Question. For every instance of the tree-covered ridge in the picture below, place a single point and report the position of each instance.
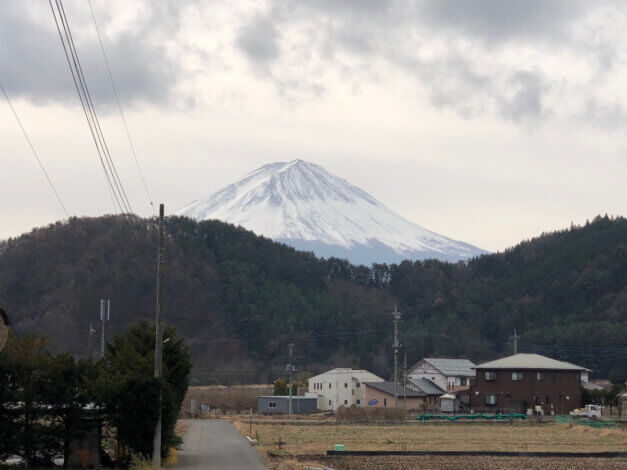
(239, 299)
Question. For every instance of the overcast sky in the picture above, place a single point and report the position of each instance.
(488, 121)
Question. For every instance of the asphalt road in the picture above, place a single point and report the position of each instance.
(215, 443)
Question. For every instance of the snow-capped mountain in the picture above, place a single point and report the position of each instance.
(303, 205)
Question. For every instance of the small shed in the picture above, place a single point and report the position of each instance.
(269, 405)
(449, 403)
(622, 404)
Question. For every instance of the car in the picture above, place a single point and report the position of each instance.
(589, 411)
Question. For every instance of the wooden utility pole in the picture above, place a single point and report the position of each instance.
(396, 315)
(156, 443)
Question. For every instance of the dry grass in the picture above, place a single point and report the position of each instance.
(304, 442)
(236, 398)
(181, 428)
(307, 439)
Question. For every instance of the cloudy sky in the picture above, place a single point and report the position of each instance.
(487, 121)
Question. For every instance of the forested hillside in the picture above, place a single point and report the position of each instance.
(240, 299)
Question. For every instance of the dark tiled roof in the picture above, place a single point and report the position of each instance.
(388, 387)
(428, 387)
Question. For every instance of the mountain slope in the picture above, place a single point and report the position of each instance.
(305, 206)
(240, 299)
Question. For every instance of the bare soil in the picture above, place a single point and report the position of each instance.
(472, 463)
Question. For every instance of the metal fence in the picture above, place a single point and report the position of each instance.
(593, 423)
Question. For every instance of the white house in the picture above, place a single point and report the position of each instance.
(340, 387)
(448, 374)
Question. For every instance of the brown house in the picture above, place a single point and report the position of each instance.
(525, 381)
(381, 395)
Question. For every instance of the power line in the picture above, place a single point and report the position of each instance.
(117, 99)
(109, 159)
(111, 176)
(30, 144)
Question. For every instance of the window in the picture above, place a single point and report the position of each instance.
(353, 391)
(330, 403)
(463, 381)
(539, 376)
(517, 375)
(345, 385)
(359, 402)
(358, 385)
(490, 399)
(329, 384)
(490, 376)
(385, 402)
(346, 402)
(272, 404)
(548, 399)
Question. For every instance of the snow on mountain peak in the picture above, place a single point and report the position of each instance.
(305, 206)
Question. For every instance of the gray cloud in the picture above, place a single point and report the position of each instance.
(258, 40)
(525, 101)
(446, 47)
(502, 20)
(37, 68)
(605, 115)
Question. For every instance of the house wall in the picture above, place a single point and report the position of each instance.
(562, 389)
(386, 400)
(335, 389)
(424, 370)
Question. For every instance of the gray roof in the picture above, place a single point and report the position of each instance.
(294, 397)
(591, 386)
(428, 387)
(457, 367)
(529, 361)
(388, 387)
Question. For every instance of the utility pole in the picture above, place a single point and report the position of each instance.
(515, 338)
(91, 332)
(405, 382)
(290, 369)
(156, 443)
(105, 316)
(396, 316)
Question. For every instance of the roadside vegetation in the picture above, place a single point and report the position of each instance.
(44, 396)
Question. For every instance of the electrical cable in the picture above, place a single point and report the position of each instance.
(117, 99)
(111, 176)
(32, 147)
(109, 159)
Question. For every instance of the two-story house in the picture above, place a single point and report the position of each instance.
(523, 382)
(448, 374)
(340, 387)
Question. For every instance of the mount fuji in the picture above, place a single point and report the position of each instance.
(303, 205)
